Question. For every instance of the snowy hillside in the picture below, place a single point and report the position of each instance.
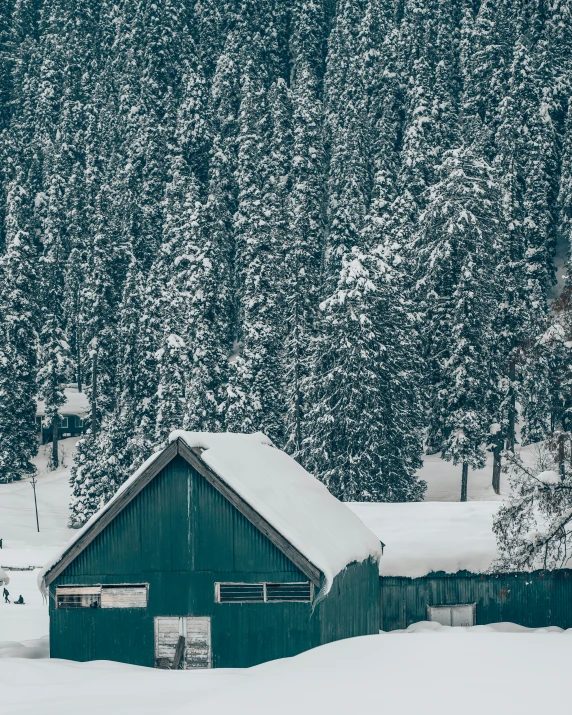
(24, 547)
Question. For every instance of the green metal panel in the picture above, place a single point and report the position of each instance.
(181, 536)
(537, 599)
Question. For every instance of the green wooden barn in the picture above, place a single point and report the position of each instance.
(220, 551)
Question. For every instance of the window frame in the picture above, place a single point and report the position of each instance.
(264, 585)
(97, 589)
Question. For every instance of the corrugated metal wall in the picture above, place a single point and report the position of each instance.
(541, 598)
(181, 536)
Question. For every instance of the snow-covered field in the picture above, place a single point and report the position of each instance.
(441, 671)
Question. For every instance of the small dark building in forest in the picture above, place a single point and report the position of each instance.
(438, 565)
(74, 416)
(220, 551)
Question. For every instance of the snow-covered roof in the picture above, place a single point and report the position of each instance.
(421, 537)
(76, 404)
(298, 506)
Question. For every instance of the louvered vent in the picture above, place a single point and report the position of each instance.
(263, 592)
(289, 591)
(240, 592)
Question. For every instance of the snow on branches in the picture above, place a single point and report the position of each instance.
(534, 527)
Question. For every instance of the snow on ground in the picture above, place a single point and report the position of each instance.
(428, 668)
(421, 537)
(21, 623)
(444, 478)
(23, 546)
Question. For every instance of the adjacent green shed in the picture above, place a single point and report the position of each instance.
(439, 565)
(221, 551)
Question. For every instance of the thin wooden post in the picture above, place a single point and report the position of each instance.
(464, 481)
(179, 652)
(33, 483)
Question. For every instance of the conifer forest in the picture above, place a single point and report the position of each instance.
(343, 223)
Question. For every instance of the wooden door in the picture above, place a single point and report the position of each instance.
(167, 632)
(197, 634)
(198, 652)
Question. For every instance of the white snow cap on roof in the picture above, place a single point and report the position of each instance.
(76, 404)
(421, 537)
(294, 502)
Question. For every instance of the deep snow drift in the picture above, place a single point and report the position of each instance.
(429, 669)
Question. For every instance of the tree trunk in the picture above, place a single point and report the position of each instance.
(55, 435)
(561, 464)
(94, 394)
(464, 481)
(78, 358)
(496, 467)
(511, 432)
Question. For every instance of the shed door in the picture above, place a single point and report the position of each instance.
(197, 635)
(198, 642)
(457, 615)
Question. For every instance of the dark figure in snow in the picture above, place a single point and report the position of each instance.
(6, 593)
(0, 543)
(20, 601)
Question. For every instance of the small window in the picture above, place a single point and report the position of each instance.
(80, 421)
(459, 614)
(124, 596)
(78, 596)
(64, 423)
(263, 592)
(120, 596)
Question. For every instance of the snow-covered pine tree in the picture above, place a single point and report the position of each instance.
(54, 358)
(302, 251)
(457, 248)
(345, 119)
(18, 337)
(365, 440)
(254, 379)
(525, 163)
(175, 329)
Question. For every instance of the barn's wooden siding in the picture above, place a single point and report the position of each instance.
(181, 536)
(541, 598)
